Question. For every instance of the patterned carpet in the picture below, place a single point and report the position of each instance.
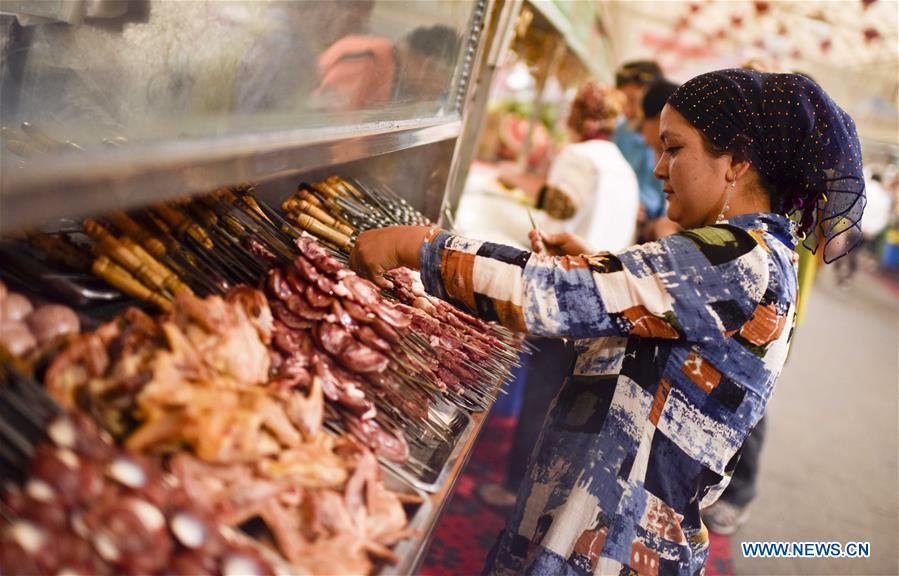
(468, 528)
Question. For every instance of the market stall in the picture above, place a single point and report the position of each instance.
(554, 48)
(182, 183)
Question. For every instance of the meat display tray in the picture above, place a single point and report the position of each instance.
(438, 454)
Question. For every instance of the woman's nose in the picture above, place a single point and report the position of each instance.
(661, 169)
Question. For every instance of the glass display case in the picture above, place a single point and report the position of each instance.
(121, 104)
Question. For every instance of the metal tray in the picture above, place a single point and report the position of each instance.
(439, 455)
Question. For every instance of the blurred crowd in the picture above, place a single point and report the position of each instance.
(580, 184)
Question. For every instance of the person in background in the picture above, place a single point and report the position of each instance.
(654, 100)
(592, 192)
(632, 79)
(877, 215)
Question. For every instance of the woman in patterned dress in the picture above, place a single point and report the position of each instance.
(680, 341)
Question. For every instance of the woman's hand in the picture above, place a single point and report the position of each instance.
(562, 244)
(659, 228)
(529, 184)
(377, 252)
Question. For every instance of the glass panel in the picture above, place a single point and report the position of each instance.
(166, 69)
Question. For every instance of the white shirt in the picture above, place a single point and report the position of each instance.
(877, 209)
(602, 183)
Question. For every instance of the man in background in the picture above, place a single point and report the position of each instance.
(632, 79)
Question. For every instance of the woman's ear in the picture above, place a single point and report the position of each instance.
(737, 169)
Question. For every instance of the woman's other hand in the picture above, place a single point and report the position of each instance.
(562, 244)
(659, 228)
(641, 215)
(529, 184)
(508, 179)
(377, 252)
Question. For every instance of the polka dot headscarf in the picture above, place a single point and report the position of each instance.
(796, 136)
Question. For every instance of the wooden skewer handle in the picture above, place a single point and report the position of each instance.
(129, 261)
(325, 190)
(160, 272)
(329, 189)
(127, 253)
(96, 231)
(226, 194)
(205, 216)
(119, 277)
(290, 205)
(325, 218)
(131, 228)
(310, 224)
(347, 186)
(184, 225)
(308, 196)
(172, 217)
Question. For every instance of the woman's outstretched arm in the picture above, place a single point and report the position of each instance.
(698, 285)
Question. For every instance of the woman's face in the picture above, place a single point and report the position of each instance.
(694, 180)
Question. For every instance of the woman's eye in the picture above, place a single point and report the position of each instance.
(672, 149)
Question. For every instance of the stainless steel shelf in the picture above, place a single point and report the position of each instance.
(78, 185)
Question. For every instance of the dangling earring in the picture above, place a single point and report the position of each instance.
(726, 207)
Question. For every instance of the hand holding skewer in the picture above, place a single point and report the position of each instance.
(535, 236)
(377, 252)
(562, 244)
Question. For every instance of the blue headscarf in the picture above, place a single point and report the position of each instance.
(796, 137)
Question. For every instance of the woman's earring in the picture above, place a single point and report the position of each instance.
(726, 207)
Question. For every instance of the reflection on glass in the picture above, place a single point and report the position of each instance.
(364, 71)
(167, 70)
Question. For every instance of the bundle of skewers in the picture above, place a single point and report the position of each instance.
(337, 210)
(468, 355)
(202, 246)
(380, 359)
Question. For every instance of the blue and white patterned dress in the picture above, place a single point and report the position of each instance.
(679, 342)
